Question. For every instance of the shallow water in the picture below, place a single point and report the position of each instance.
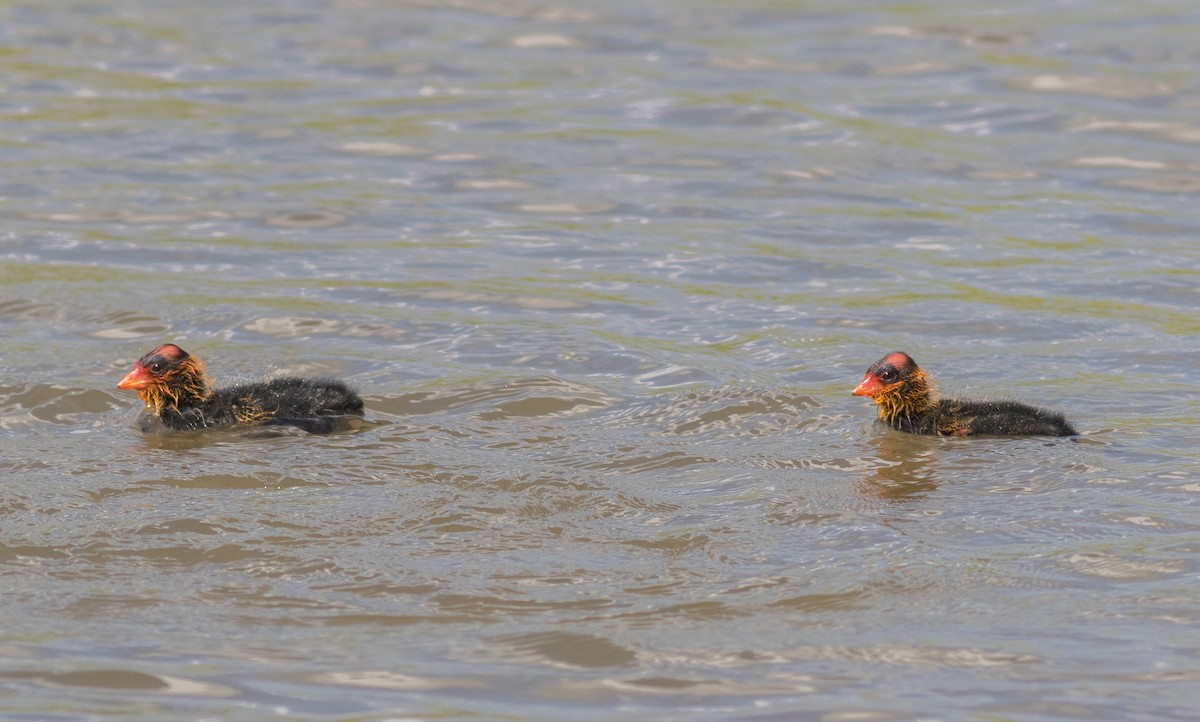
(605, 276)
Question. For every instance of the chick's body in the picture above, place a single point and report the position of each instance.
(175, 390)
(907, 402)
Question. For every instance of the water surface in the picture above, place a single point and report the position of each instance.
(605, 276)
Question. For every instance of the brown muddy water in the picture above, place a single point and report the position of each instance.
(605, 275)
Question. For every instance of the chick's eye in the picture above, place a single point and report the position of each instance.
(888, 375)
(157, 367)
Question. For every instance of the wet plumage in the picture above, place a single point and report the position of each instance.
(173, 386)
(908, 402)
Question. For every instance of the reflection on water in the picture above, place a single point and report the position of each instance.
(605, 277)
(908, 469)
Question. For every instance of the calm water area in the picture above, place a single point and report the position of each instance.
(605, 274)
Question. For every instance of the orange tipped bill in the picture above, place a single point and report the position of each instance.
(138, 378)
(869, 386)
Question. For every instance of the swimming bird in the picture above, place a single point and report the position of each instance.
(172, 384)
(908, 402)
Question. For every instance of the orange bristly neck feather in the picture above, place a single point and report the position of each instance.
(184, 384)
(912, 397)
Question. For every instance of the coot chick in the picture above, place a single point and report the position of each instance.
(907, 402)
(171, 383)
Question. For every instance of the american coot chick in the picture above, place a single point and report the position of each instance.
(171, 383)
(907, 402)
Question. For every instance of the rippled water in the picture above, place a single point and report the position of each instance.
(605, 274)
